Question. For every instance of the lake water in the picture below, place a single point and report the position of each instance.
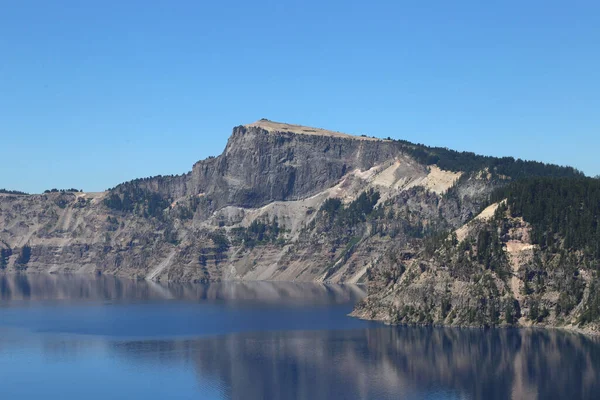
(74, 337)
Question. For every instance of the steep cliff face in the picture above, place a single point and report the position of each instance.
(265, 162)
(292, 203)
(204, 224)
(489, 272)
(255, 212)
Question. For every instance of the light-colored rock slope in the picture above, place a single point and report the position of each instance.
(280, 127)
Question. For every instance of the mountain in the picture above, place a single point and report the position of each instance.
(439, 236)
(531, 258)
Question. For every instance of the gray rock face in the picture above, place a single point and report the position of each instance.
(259, 166)
(250, 213)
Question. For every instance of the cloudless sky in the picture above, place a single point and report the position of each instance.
(96, 93)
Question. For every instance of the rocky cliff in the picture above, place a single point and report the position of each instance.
(503, 267)
(244, 214)
(266, 161)
(287, 202)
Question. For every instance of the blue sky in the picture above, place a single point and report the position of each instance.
(96, 93)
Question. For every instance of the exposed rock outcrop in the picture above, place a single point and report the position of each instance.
(292, 203)
(165, 227)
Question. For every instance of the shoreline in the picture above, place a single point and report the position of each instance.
(353, 314)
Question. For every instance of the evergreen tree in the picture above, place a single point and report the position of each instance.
(4, 256)
(24, 255)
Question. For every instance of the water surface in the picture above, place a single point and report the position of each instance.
(74, 337)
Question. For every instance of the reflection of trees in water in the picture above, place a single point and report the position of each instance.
(273, 365)
(86, 287)
(500, 363)
(385, 362)
(388, 362)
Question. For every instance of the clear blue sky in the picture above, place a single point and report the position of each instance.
(96, 93)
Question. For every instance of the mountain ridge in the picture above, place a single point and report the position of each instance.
(293, 203)
(282, 127)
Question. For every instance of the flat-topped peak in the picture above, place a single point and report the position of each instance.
(272, 126)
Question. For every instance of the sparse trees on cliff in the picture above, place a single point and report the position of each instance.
(4, 256)
(24, 257)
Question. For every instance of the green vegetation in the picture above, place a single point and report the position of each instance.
(466, 259)
(512, 312)
(355, 212)
(15, 192)
(331, 206)
(23, 257)
(565, 218)
(591, 310)
(170, 235)
(62, 202)
(143, 197)
(259, 233)
(221, 243)
(4, 256)
(564, 213)
(343, 257)
(139, 182)
(63, 190)
(137, 200)
(202, 258)
(452, 160)
(113, 223)
(490, 252)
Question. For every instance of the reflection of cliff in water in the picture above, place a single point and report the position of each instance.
(388, 363)
(17, 287)
(379, 363)
(501, 363)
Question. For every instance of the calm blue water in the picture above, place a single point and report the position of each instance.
(73, 337)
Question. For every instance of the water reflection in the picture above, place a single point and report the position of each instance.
(377, 363)
(390, 362)
(37, 287)
(262, 341)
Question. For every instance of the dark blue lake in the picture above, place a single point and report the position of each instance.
(76, 337)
